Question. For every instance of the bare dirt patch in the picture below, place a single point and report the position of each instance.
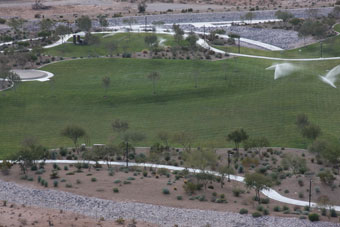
(19, 215)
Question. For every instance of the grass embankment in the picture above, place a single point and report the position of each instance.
(248, 98)
(126, 43)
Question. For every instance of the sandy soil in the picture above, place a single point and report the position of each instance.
(19, 215)
(68, 8)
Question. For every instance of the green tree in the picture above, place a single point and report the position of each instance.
(257, 182)
(256, 143)
(16, 24)
(84, 23)
(249, 16)
(192, 39)
(142, 7)
(30, 152)
(154, 76)
(184, 139)
(74, 133)
(225, 171)
(237, 136)
(178, 33)
(62, 30)
(106, 81)
(120, 126)
(327, 177)
(311, 131)
(285, 16)
(46, 25)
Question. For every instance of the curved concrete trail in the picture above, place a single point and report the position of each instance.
(271, 193)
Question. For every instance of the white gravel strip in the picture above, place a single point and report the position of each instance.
(164, 216)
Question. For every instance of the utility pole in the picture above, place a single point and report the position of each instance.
(310, 192)
(127, 154)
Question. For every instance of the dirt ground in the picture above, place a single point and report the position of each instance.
(98, 183)
(68, 8)
(19, 215)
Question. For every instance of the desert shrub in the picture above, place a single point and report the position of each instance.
(126, 182)
(285, 208)
(55, 183)
(117, 181)
(265, 212)
(286, 191)
(115, 190)
(277, 209)
(131, 178)
(63, 151)
(260, 208)
(237, 192)
(165, 191)
(256, 214)
(317, 190)
(333, 213)
(264, 200)
(34, 168)
(313, 217)
(179, 197)
(301, 195)
(54, 174)
(46, 184)
(300, 182)
(326, 177)
(243, 211)
(120, 221)
(68, 185)
(39, 179)
(306, 208)
(323, 211)
(190, 187)
(93, 179)
(65, 168)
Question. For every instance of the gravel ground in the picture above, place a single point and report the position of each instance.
(164, 216)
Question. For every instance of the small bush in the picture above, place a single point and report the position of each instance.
(115, 190)
(117, 181)
(179, 197)
(265, 212)
(256, 215)
(243, 211)
(165, 191)
(333, 213)
(68, 185)
(78, 181)
(65, 168)
(313, 217)
(264, 200)
(93, 179)
(55, 183)
(277, 209)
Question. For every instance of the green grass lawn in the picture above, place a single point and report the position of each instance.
(248, 97)
(126, 42)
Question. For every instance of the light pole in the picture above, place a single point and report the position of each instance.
(321, 49)
(310, 176)
(127, 154)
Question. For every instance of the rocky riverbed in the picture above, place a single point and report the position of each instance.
(161, 215)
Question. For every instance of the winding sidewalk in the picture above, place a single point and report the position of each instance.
(271, 193)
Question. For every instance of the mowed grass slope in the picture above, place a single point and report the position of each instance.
(247, 98)
(126, 43)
